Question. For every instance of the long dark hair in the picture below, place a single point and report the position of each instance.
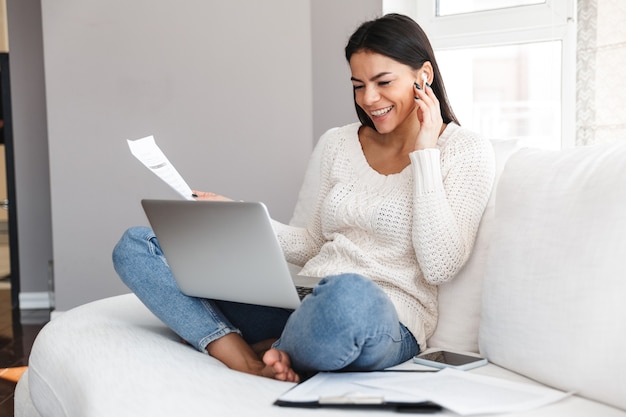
(402, 39)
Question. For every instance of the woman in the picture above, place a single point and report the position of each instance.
(400, 199)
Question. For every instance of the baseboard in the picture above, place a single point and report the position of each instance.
(35, 300)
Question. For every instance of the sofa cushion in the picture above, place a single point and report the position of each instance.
(460, 300)
(113, 357)
(553, 294)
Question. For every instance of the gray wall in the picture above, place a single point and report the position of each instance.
(227, 88)
(333, 23)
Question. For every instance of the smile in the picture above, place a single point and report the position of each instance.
(381, 112)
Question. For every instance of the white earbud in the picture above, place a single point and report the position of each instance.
(425, 78)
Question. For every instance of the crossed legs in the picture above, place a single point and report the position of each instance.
(347, 323)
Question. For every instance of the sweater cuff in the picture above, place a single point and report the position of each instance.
(427, 170)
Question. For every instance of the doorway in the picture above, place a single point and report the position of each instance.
(5, 251)
(9, 275)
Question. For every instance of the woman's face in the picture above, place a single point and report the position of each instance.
(383, 88)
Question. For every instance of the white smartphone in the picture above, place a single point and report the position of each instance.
(447, 359)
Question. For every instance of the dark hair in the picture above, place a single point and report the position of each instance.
(402, 39)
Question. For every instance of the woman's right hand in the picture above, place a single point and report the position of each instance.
(207, 196)
(429, 115)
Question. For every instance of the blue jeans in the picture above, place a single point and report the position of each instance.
(347, 323)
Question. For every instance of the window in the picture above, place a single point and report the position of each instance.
(449, 7)
(508, 65)
(507, 91)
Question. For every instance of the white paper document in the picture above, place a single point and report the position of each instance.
(461, 392)
(147, 151)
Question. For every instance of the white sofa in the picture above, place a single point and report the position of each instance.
(542, 297)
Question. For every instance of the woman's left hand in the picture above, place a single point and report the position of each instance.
(207, 196)
(429, 116)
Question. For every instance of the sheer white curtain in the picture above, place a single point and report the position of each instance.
(601, 59)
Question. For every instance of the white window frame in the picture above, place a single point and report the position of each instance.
(554, 20)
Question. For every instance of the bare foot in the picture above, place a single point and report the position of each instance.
(278, 366)
(263, 346)
(235, 353)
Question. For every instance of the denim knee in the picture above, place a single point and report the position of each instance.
(354, 296)
(129, 249)
(347, 317)
(131, 240)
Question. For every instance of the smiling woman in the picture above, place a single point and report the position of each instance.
(386, 89)
(399, 93)
(384, 49)
(400, 198)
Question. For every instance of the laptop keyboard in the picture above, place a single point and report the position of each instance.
(303, 291)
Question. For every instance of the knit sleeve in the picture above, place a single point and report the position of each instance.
(452, 187)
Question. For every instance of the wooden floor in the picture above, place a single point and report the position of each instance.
(17, 333)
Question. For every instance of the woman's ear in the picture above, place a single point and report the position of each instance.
(427, 72)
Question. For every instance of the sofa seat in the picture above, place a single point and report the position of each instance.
(113, 357)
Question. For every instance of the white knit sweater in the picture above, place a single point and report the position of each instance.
(408, 232)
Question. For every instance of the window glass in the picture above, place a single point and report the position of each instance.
(511, 91)
(449, 7)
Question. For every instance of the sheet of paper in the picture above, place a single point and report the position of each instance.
(147, 151)
(466, 393)
(462, 392)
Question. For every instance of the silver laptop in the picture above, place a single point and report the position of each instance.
(225, 251)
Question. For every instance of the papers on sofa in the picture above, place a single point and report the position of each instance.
(464, 393)
(147, 151)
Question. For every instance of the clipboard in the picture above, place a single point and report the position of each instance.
(426, 407)
(353, 390)
(463, 393)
